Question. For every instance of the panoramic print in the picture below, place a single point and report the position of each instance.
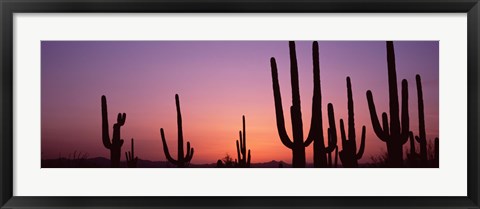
(240, 104)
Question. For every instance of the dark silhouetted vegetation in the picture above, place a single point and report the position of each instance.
(131, 158)
(115, 144)
(316, 130)
(395, 134)
(349, 155)
(393, 129)
(182, 160)
(243, 159)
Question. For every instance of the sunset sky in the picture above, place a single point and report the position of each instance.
(217, 82)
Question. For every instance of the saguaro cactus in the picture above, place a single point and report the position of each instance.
(182, 160)
(421, 138)
(349, 155)
(297, 145)
(115, 144)
(395, 134)
(131, 158)
(243, 159)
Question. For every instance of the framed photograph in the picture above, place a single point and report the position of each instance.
(264, 104)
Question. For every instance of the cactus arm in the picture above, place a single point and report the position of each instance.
(242, 145)
(244, 136)
(316, 129)
(421, 119)
(189, 155)
(405, 118)
(351, 118)
(310, 139)
(385, 124)
(165, 149)
(188, 149)
(418, 139)
(332, 142)
(105, 133)
(362, 144)
(248, 159)
(342, 134)
(381, 133)
(294, 76)
(278, 107)
(238, 151)
(116, 141)
(121, 119)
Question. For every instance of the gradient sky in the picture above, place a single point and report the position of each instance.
(218, 82)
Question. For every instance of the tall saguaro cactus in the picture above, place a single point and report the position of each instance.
(182, 160)
(243, 158)
(421, 138)
(297, 145)
(394, 134)
(131, 158)
(115, 143)
(349, 155)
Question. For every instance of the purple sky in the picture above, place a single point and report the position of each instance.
(218, 82)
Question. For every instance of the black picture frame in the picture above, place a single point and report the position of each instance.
(9, 7)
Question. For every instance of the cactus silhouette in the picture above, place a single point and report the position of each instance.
(349, 155)
(297, 145)
(396, 134)
(115, 143)
(243, 160)
(182, 160)
(131, 158)
(320, 148)
(421, 138)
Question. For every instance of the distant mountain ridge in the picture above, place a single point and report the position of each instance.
(101, 162)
